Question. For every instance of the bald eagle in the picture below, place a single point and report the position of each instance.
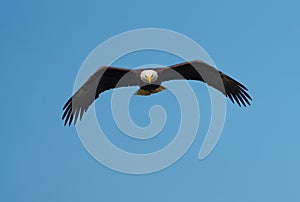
(149, 81)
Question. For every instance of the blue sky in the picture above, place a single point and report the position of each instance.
(43, 45)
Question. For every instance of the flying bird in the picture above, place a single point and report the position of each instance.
(149, 81)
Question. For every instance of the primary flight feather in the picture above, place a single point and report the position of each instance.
(149, 80)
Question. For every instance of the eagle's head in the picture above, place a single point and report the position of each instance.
(148, 76)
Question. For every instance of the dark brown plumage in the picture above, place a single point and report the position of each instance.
(106, 78)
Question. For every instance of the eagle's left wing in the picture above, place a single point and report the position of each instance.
(201, 71)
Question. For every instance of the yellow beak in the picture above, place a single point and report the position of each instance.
(149, 79)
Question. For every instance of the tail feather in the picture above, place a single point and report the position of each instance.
(146, 92)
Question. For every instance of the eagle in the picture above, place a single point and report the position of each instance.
(149, 81)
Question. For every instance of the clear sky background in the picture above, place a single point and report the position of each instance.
(43, 44)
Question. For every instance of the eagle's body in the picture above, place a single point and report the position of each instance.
(149, 80)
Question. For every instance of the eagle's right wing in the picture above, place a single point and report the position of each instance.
(103, 79)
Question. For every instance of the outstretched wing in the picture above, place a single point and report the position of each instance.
(103, 79)
(201, 71)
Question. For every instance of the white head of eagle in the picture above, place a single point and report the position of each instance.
(149, 76)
